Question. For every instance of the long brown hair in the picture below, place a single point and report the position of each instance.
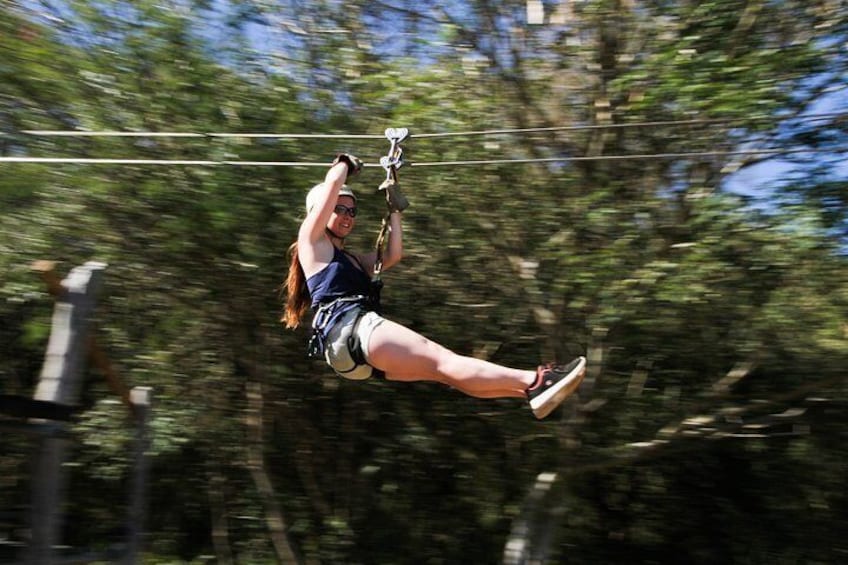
(297, 295)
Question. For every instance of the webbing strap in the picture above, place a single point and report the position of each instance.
(384, 228)
(381, 240)
(328, 313)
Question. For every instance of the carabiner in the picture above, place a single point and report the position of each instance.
(395, 155)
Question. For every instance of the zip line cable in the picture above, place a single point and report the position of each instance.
(700, 121)
(75, 133)
(703, 121)
(94, 161)
(636, 156)
(209, 163)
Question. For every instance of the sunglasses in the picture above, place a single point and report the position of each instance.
(341, 209)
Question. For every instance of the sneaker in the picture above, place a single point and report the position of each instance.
(554, 383)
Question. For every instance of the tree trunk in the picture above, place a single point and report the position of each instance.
(256, 464)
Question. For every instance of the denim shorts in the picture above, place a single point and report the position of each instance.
(337, 348)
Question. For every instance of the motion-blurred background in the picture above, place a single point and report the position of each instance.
(658, 185)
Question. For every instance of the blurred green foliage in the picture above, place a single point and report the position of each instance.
(671, 284)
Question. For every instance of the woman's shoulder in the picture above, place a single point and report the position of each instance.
(315, 255)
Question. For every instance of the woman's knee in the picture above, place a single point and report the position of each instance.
(448, 363)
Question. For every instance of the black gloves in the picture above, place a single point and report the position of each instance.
(395, 200)
(354, 164)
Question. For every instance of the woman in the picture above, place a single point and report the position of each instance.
(355, 340)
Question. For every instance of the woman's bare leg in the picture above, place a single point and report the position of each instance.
(405, 355)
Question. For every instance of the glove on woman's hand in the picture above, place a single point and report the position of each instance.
(354, 164)
(395, 200)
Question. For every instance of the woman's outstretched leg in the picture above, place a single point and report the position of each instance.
(405, 355)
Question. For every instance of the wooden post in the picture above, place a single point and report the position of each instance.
(60, 382)
(141, 398)
(96, 356)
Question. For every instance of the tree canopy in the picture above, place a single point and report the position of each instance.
(589, 210)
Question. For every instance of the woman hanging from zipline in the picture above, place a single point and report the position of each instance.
(356, 341)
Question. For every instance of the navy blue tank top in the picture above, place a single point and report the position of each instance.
(338, 279)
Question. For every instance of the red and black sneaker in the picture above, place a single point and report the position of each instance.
(554, 383)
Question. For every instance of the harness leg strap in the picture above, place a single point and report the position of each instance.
(354, 344)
